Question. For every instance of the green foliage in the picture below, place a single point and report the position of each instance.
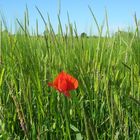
(105, 106)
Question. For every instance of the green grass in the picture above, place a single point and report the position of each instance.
(106, 104)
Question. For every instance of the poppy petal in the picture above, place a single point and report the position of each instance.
(57, 79)
(64, 83)
(72, 82)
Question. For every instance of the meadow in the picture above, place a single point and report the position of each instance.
(106, 104)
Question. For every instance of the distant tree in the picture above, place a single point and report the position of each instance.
(45, 32)
(84, 34)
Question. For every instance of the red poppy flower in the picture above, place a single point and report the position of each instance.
(64, 83)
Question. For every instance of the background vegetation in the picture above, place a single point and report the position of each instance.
(105, 106)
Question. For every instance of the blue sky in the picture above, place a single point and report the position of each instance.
(120, 13)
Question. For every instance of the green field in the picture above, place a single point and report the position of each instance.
(105, 106)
